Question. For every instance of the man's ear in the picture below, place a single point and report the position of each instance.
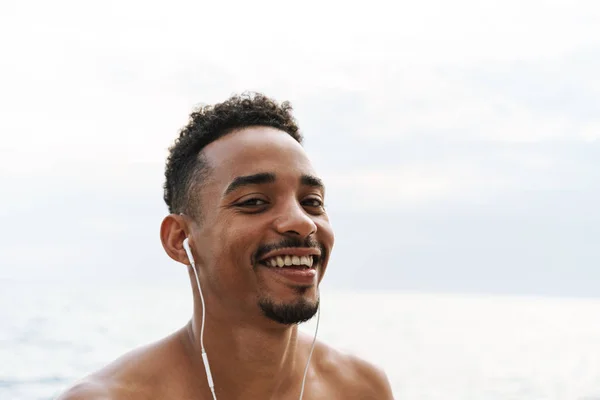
(173, 230)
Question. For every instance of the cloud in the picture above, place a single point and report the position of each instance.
(432, 108)
(411, 185)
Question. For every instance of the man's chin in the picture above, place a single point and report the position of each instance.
(289, 313)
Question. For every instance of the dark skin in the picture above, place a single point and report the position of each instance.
(251, 356)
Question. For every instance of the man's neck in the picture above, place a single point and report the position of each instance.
(247, 360)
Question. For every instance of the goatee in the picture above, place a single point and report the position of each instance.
(289, 314)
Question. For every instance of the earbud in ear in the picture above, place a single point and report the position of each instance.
(188, 251)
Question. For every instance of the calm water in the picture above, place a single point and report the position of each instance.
(431, 346)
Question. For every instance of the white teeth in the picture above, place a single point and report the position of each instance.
(281, 261)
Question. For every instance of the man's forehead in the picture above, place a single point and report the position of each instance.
(256, 150)
(249, 139)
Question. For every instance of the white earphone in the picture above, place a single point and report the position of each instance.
(211, 385)
(188, 252)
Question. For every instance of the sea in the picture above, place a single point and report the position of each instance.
(432, 346)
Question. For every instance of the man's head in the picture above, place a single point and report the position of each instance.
(252, 202)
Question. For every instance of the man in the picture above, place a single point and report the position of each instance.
(241, 189)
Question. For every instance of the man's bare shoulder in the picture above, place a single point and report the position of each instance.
(137, 374)
(87, 389)
(359, 378)
(118, 380)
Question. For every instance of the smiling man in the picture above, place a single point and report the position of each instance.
(241, 189)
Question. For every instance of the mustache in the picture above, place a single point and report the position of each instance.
(309, 243)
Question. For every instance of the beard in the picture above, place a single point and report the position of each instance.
(301, 310)
(289, 314)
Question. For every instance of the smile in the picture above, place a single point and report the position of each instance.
(282, 261)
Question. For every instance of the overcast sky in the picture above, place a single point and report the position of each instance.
(460, 141)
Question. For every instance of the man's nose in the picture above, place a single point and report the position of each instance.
(294, 220)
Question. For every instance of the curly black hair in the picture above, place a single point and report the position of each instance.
(186, 168)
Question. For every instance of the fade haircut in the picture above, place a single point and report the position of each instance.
(186, 168)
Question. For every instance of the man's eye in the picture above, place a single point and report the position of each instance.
(252, 202)
(313, 203)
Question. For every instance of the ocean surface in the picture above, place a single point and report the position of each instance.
(432, 346)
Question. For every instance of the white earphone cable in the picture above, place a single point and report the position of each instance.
(211, 384)
(311, 348)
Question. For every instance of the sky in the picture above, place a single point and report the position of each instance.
(459, 141)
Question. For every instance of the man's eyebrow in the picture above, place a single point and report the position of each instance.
(311, 180)
(256, 179)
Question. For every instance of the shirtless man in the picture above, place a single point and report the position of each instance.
(241, 188)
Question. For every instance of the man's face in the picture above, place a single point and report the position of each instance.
(261, 207)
